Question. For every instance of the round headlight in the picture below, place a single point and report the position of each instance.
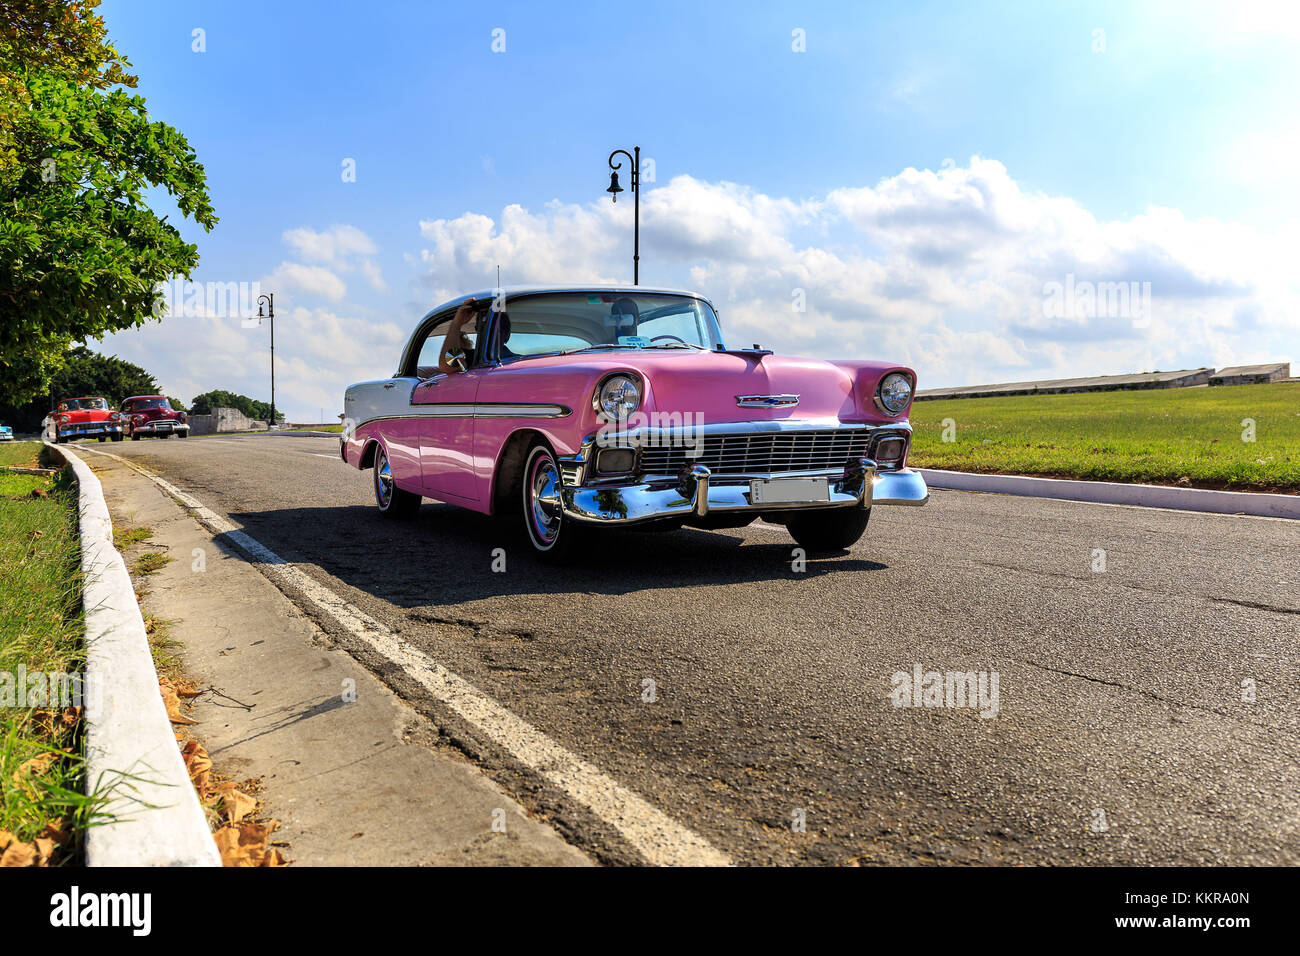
(617, 397)
(63, 419)
(895, 392)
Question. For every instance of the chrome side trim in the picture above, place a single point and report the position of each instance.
(477, 410)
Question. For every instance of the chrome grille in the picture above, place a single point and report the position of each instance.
(761, 453)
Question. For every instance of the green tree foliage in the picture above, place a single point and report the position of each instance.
(219, 398)
(81, 252)
(84, 373)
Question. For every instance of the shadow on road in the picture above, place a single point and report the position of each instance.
(445, 556)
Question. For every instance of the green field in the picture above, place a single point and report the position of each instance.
(1188, 436)
(42, 800)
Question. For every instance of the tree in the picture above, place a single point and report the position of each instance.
(81, 252)
(219, 398)
(84, 373)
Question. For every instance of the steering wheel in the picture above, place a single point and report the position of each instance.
(673, 337)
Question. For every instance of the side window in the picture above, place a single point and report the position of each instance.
(426, 365)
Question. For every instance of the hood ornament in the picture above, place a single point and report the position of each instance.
(767, 401)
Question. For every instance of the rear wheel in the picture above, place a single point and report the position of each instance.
(393, 501)
(553, 536)
(835, 530)
(116, 436)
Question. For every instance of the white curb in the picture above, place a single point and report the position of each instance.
(130, 746)
(1118, 493)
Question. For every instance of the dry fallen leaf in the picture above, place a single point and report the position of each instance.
(245, 844)
(172, 701)
(34, 767)
(44, 850)
(237, 805)
(18, 854)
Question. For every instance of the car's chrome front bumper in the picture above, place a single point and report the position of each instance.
(159, 428)
(91, 429)
(699, 494)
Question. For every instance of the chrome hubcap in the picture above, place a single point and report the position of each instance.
(383, 479)
(544, 499)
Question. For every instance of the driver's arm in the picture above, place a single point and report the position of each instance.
(456, 340)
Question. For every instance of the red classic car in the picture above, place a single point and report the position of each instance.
(579, 408)
(153, 415)
(85, 417)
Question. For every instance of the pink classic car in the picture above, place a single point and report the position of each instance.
(578, 408)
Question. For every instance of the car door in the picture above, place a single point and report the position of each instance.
(443, 403)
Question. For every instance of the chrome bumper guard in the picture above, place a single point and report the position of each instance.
(95, 428)
(698, 493)
(162, 428)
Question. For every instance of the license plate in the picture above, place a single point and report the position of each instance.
(787, 491)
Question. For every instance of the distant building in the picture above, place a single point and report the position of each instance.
(1184, 378)
(1252, 374)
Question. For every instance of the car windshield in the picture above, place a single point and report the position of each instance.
(552, 323)
(85, 404)
(153, 403)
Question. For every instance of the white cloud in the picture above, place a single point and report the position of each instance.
(944, 269)
(337, 244)
(310, 280)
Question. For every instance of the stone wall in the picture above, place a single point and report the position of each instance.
(224, 420)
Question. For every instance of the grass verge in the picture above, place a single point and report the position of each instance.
(43, 805)
(1240, 438)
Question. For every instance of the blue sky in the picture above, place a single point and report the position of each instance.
(1158, 150)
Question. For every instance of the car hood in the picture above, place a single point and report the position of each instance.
(150, 414)
(85, 415)
(711, 383)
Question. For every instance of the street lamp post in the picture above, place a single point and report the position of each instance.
(268, 299)
(614, 189)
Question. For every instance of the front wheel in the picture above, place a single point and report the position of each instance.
(182, 434)
(554, 537)
(835, 530)
(134, 437)
(393, 501)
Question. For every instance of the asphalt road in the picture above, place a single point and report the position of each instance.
(1121, 733)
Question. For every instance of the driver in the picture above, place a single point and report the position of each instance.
(503, 322)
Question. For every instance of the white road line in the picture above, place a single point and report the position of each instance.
(659, 839)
